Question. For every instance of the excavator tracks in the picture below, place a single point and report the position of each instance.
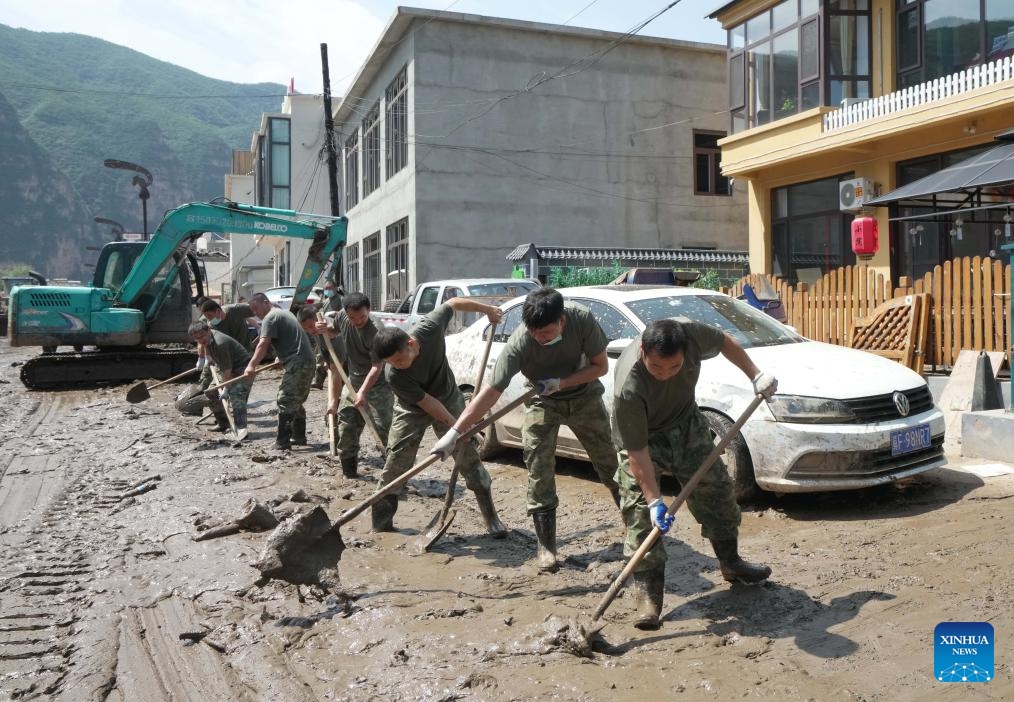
(60, 371)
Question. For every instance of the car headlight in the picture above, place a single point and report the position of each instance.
(810, 410)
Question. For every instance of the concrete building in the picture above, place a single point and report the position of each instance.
(464, 136)
(832, 101)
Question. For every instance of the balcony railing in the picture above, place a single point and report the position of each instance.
(900, 100)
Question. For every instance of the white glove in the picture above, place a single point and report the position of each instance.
(445, 446)
(765, 385)
(223, 393)
(547, 386)
(201, 362)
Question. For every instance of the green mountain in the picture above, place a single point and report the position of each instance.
(67, 103)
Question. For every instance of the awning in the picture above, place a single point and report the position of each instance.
(552, 253)
(990, 168)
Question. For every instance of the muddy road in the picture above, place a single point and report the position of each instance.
(106, 596)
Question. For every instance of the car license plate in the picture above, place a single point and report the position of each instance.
(909, 440)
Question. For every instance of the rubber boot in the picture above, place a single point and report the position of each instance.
(284, 439)
(489, 517)
(382, 513)
(735, 569)
(545, 532)
(350, 467)
(649, 587)
(221, 421)
(299, 430)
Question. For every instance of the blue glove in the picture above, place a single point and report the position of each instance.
(547, 386)
(659, 518)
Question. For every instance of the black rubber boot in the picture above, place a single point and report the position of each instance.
(382, 513)
(649, 586)
(299, 430)
(735, 569)
(489, 517)
(350, 467)
(221, 421)
(284, 439)
(545, 532)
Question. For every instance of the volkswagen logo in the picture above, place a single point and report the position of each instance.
(901, 402)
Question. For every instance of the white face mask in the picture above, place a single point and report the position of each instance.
(555, 340)
(214, 321)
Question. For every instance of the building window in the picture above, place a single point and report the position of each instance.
(396, 123)
(352, 268)
(939, 37)
(397, 260)
(352, 170)
(810, 235)
(371, 269)
(371, 150)
(273, 166)
(708, 178)
(777, 67)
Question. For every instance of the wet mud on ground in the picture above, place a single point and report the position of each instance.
(104, 594)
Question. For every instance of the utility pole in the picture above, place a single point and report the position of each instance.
(332, 159)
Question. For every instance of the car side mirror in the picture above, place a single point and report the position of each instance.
(617, 346)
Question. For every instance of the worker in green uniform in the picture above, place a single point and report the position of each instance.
(427, 395)
(280, 330)
(561, 350)
(231, 359)
(357, 328)
(657, 425)
(331, 302)
(230, 320)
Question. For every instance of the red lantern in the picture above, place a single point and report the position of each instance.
(864, 236)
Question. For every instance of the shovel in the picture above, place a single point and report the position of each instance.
(139, 392)
(227, 407)
(442, 520)
(596, 624)
(348, 386)
(398, 482)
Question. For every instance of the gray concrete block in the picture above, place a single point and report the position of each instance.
(988, 434)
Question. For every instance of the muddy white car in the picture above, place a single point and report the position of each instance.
(842, 419)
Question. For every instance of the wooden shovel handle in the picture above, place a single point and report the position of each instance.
(420, 467)
(179, 376)
(227, 383)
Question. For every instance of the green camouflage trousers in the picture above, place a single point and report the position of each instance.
(680, 451)
(379, 404)
(238, 393)
(295, 386)
(588, 419)
(407, 430)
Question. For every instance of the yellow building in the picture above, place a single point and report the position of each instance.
(835, 101)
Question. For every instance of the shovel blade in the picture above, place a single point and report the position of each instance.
(138, 393)
(434, 531)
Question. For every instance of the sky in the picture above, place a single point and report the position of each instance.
(254, 41)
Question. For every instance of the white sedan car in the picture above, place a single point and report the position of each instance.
(842, 419)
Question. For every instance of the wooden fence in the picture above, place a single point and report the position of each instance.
(969, 305)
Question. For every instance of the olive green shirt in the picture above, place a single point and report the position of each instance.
(429, 374)
(234, 323)
(226, 352)
(583, 339)
(357, 344)
(287, 337)
(643, 405)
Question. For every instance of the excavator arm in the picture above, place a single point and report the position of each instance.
(184, 224)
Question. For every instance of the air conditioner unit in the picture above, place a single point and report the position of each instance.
(855, 193)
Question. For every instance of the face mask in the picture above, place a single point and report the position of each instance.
(329, 293)
(555, 340)
(214, 322)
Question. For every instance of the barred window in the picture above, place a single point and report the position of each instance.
(352, 170)
(396, 123)
(397, 260)
(371, 269)
(352, 268)
(371, 150)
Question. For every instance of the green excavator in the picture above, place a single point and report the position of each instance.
(132, 321)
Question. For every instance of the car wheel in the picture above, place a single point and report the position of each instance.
(737, 459)
(489, 446)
